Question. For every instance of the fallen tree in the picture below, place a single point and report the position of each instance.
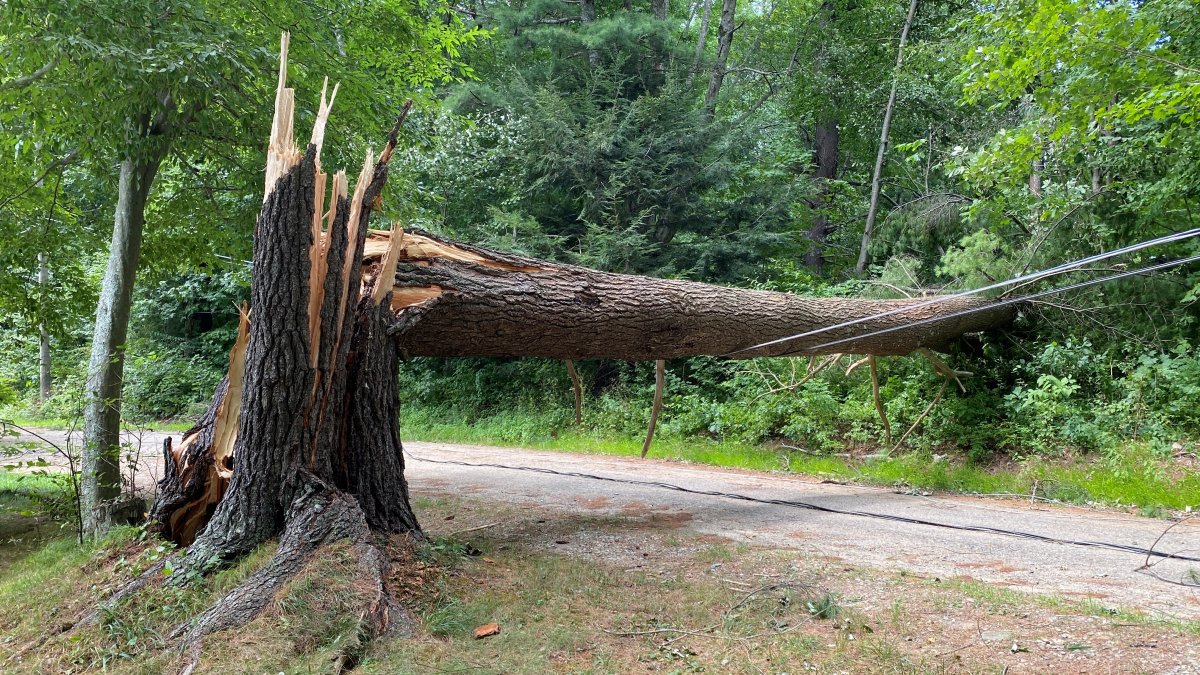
(302, 441)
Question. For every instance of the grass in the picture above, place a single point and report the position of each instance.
(61, 423)
(1137, 478)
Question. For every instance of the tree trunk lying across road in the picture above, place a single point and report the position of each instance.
(453, 299)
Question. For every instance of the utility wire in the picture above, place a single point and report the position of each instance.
(809, 506)
(1011, 301)
(1024, 278)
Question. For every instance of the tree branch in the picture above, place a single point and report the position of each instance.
(58, 163)
(26, 80)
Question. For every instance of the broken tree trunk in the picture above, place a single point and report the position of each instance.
(302, 438)
(453, 299)
(310, 398)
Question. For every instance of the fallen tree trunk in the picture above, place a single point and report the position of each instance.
(453, 299)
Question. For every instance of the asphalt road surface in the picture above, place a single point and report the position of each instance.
(1116, 578)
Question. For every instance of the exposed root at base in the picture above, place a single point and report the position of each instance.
(317, 521)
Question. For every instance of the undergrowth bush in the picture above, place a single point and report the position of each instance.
(1061, 399)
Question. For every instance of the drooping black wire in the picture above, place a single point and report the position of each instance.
(971, 310)
(809, 506)
(1021, 279)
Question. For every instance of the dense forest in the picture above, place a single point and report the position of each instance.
(861, 148)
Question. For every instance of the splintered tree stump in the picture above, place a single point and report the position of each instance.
(302, 438)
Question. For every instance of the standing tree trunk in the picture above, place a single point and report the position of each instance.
(45, 380)
(1035, 175)
(587, 15)
(825, 138)
(701, 39)
(100, 482)
(825, 156)
(877, 176)
(724, 41)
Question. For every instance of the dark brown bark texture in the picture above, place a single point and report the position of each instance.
(825, 159)
(316, 370)
(373, 464)
(513, 306)
(278, 381)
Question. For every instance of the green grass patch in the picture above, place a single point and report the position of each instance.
(62, 423)
(1134, 478)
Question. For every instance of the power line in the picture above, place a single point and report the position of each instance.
(1025, 278)
(809, 506)
(1011, 301)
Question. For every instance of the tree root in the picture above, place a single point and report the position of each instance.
(318, 518)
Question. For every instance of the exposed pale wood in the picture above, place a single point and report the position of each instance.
(225, 431)
(282, 153)
(403, 298)
(418, 247)
(323, 111)
(387, 269)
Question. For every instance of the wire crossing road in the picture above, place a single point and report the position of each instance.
(1109, 576)
(801, 513)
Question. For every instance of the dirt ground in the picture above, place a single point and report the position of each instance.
(887, 621)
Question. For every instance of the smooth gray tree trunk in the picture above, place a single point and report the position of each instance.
(724, 41)
(701, 39)
(45, 381)
(877, 176)
(100, 483)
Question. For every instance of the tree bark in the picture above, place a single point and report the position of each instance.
(877, 175)
(452, 299)
(701, 39)
(587, 15)
(45, 380)
(100, 482)
(825, 154)
(724, 41)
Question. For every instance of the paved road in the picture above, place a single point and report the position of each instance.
(1112, 577)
